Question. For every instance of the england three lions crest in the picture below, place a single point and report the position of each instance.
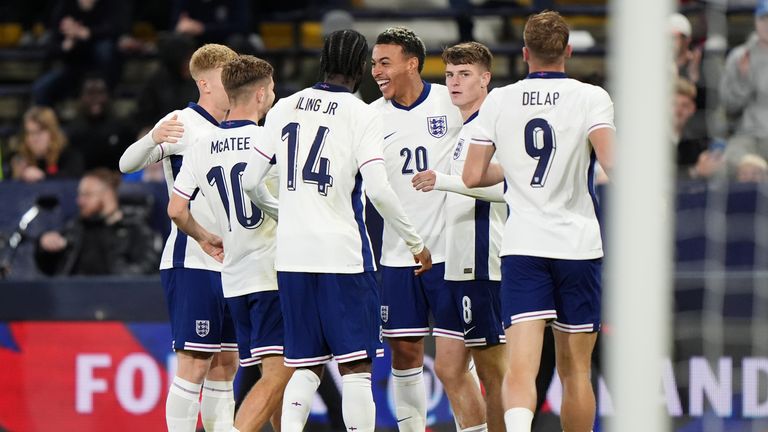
(437, 126)
(202, 327)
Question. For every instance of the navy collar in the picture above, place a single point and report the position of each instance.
(544, 74)
(205, 114)
(231, 124)
(331, 87)
(422, 97)
(472, 117)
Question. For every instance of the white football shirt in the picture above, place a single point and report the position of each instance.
(320, 137)
(473, 227)
(215, 166)
(180, 251)
(417, 138)
(540, 127)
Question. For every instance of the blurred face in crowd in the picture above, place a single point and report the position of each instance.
(91, 196)
(37, 138)
(684, 107)
(466, 83)
(94, 97)
(751, 172)
(391, 68)
(86, 5)
(761, 26)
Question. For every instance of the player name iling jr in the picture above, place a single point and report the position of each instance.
(312, 104)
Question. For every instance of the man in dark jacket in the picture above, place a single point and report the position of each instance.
(102, 240)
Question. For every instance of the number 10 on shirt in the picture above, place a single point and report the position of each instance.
(316, 168)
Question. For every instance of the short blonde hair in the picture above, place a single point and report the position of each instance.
(546, 36)
(241, 75)
(209, 57)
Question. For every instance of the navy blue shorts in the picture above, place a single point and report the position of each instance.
(480, 311)
(328, 315)
(200, 318)
(566, 292)
(259, 325)
(407, 299)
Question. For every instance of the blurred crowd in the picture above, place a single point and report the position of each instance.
(86, 42)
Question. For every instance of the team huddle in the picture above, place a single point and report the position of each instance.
(490, 228)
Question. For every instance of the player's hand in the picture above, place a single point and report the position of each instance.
(425, 259)
(424, 181)
(52, 242)
(168, 131)
(744, 64)
(213, 246)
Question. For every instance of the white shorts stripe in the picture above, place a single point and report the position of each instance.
(568, 328)
(424, 331)
(192, 346)
(274, 349)
(357, 355)
(447, 333)
(250, 362)
(306, 362)
(380, 352)
(533, 316)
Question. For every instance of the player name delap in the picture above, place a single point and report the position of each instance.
(312, 104)
(535, 98)
(231, 143)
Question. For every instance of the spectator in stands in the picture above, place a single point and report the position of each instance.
(744, 92)
(103, 239)
(84, 39)
(225, 22)
(687, 60)
(695, 159)
(169, 86)
(96, 132)
(43, 152)
(752, 169)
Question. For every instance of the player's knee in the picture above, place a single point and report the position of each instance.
(406, 354)
(449, 371)
(193, 366)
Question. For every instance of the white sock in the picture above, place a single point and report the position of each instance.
(357, 405)
(479, 428)
(234, 429)
(217, 407)
(518, 419)
(297, 400)
(410, 399)
(182, 406)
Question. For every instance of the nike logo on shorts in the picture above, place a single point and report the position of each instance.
(470, 329)
(403, 419)
(390, 135)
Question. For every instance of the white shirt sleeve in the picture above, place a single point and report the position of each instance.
(370, 162)
(482, 130)
(453, 183)
(382, 196)
(255, 173)
(600, 110)
(185, 184)
(145, 151)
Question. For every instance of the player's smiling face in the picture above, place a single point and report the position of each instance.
(390, 68)
(465, 82)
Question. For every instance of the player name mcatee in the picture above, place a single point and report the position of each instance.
(312, 104)
(231, 143)
(535, 98)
